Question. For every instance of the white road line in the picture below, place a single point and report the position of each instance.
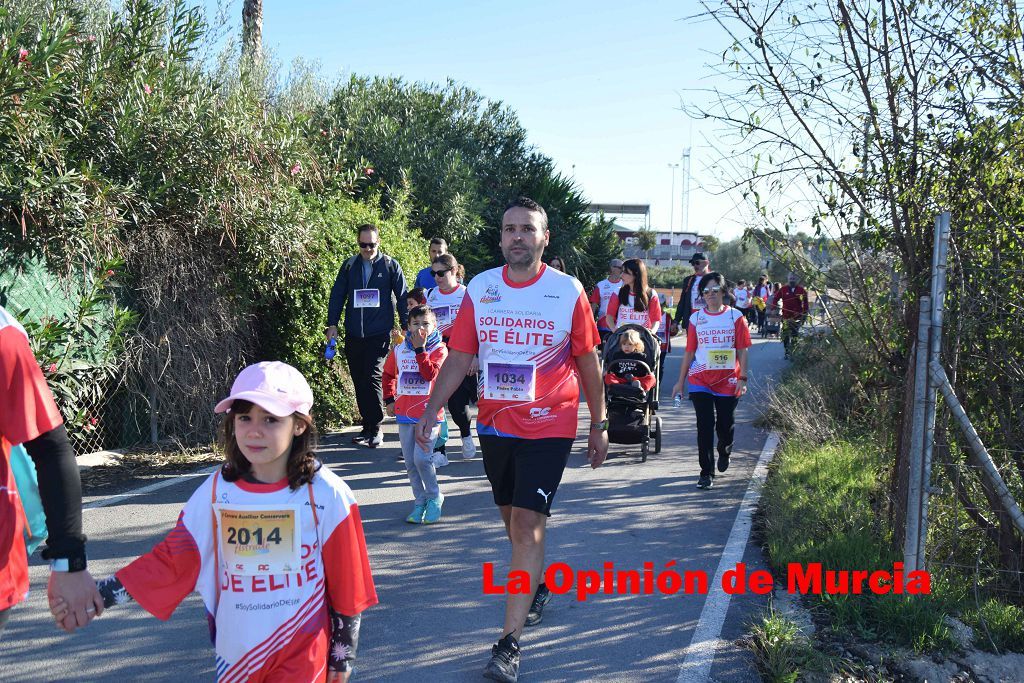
(700, 654)
(170, 481)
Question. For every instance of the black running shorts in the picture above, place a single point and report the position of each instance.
(525, 473)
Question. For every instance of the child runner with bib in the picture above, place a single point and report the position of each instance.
(409, 374)
(272, 541)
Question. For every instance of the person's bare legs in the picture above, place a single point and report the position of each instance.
(526, 531)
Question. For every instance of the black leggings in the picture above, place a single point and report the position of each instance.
(706, 405)
(458, 404)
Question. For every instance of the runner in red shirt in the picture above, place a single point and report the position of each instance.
(794, 311)
(29, 416)
(534, 332)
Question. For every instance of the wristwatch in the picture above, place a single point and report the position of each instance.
(602, 425)
(68, 564)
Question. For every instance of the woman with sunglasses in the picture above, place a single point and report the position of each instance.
(445, 300)
(715, 364)
(635, 302)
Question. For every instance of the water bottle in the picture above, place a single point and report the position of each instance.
(331, 349)
(677, 401)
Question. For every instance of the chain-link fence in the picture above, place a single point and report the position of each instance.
(71, 325)
(973, 524)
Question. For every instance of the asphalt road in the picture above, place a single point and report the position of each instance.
(434, 623)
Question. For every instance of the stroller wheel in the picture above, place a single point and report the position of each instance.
(657, 434)
(645, 449)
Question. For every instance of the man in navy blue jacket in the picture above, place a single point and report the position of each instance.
(369, 286)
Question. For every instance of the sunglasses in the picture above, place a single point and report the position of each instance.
(712, 290)
(439, 273)
(368, 245)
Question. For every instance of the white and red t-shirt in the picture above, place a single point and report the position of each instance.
(665, 332)
(445, 306)
(601, 295)
(27, 411)
(742, 297)
(527, 335)
(696, 300)
(714, 340)
(625, 313)
(409, 378)
(265, 619)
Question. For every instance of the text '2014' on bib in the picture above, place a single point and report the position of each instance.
(258, 541)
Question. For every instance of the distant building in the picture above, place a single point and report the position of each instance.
(670, 248)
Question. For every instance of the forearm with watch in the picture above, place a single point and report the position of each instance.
(60, 489)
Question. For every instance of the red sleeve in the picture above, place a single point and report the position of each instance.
(430, 363)
(163, 577)
(646, 382)
(654, 310)
(595, 296)
(584, 336)
(389, 377)
(350, 586)
(691, 338)
(462, 335)
(742, 333)
(27, 409)
(613, 307)
(609, 379)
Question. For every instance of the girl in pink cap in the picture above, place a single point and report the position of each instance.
(272, 541)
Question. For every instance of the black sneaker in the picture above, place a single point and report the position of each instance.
(504, 664)
(705, 482)
(541, 598)
(723, 462)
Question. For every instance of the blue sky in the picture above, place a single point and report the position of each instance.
(597, 83)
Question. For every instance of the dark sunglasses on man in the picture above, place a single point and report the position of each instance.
(367, 245)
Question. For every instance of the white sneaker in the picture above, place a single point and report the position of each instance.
(468, 448)
(439, 459)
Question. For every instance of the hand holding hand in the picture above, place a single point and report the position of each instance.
(74, 595)
(331, 332)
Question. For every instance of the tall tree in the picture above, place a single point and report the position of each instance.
(252, 32)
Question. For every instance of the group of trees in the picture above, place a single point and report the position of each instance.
(230, 197)
(860, 120)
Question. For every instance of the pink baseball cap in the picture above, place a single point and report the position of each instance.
(276, 387)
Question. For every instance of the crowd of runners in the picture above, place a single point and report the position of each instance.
(273, 542)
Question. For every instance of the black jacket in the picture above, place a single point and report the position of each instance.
(685, 307)
(387, 277)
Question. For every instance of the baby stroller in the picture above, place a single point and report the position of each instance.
(631, 409)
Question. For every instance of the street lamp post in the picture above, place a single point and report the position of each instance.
(672, 203)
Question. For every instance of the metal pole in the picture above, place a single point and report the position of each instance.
(912, 535)
(940, 257)
(672, 203)
(981, 458)
(685, 199)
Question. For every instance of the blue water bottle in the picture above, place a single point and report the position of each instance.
(677, 401)
(331, 349)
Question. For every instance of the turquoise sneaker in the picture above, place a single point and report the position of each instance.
(416, 516)
(433, 510)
